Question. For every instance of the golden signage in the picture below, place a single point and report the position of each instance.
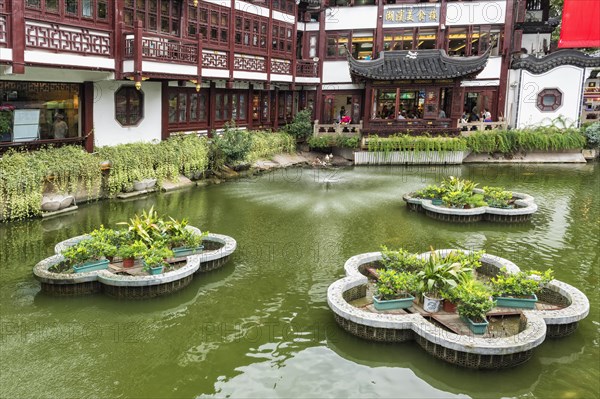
(411, 14)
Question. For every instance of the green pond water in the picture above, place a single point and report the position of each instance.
(260, 326)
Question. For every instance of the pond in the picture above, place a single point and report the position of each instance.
(260, 326)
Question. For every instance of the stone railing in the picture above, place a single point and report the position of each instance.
(463, 350)
(333, 129)
(467, 127)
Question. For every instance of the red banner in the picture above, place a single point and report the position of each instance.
(580, 24)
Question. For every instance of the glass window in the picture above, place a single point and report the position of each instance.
(384, 106)
(71, 6)
(38, 111)
(336, 45)
(457, 41)
(129, 106)
(52, 5)
(549, 100)
(362, 45)
(426, 39)
(87, 8)
(172, 107)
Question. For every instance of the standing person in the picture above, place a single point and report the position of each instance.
(342, 112)
(60, 129)
(442, 114)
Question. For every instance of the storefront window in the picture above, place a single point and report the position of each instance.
(336, 45)
(38, 111)
(384, 106)
(401, 40)
(410, 104)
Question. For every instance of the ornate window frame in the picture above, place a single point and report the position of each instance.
(127, 117)
(546, 93)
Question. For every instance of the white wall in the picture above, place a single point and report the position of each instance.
(336, 72)
(492, 69)
(476, 13)
(107, 131)
(568, 79)
(360, 17)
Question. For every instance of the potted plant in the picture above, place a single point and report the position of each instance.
(456, 199)
(475, 302)
(114, 239)
(395, 290)
(88, 255)
(401, 260)
(187, 243)
(435, 276)
(497, 197)
(432, 192)
(518, 290)
(154, 259)
(451, 297)
(129, 252)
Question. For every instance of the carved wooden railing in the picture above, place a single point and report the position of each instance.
(283, 67)
(467, 127)
(309, 69)
(71, 39)
(249, 63)
(164, 49)
(333, 129)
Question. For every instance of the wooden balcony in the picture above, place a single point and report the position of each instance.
(60, 38)
(163, 49)
(307, 69)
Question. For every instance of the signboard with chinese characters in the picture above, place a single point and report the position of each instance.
(411, 15)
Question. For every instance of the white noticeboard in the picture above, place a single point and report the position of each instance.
(26, 124)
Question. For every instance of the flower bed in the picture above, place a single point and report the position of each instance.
(465, 350)
(154, 269)
(458, 200)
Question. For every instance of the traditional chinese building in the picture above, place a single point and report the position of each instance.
(115, 71)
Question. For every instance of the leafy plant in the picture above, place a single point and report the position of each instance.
(301, 125)
(456, 199)
(400, 261)
(476, 200)
(394, 285)
(230, 147)
(525, 140)
(474, 302)
(431, 192)
(442, 273)
(520, 284)
(147, 227)
(156, 256)
(592, 135)
(266, 144)
(497, 197)
(133, 250)
(415, 143)
(87, 250)
(320, 142)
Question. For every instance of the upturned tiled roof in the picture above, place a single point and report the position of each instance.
(418, 64)
(561, 57)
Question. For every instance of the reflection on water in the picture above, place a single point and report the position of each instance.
(260, 327)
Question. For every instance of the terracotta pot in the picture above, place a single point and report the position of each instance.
(128, 262)
(449, 307)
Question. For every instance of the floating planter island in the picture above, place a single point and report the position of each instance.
(151, 272)
(450, 203)
(509, 340)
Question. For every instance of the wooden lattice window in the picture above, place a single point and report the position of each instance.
(282, 42)
(161, 16)
(549, 100)
(129, 106)
(210, 20)
(250, 31)
(188, 108)
(85, 10)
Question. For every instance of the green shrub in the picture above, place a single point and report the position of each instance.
(520, 284)
(394, 285)
(230, 147)
(592, 135)
(301, 126)
(525, 140)
(419, 143)
(266, 144)
(401, 260)
(320, 142)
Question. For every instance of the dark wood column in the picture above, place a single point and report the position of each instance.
(164, 110)
(249, 106)
(276, 118)
(368, 103)
(17, 24)
(118, 39)
(378, 39)
(458, 102)
(321, 53)
(441, 33)
(211, 111)
(88, 115)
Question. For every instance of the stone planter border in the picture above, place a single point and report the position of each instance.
(524, 202)
(124, 286)
(463, 350)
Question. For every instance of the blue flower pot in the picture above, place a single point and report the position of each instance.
(476, 328)
(180, 252)
(156, 270)
(91, 266)
(510, 302)
(402, 303)
(437, 202)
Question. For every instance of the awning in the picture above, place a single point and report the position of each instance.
(580, 27)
